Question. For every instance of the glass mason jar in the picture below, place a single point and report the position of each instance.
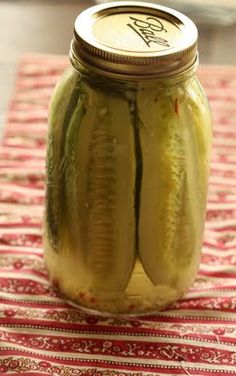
(127, 161)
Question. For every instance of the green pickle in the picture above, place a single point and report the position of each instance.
(127, 172)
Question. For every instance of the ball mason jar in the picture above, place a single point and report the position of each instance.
(127, 161)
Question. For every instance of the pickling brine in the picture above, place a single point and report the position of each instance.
(127, 170)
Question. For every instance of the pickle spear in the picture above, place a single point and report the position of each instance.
(105, 182)
(169, 213)
(59, 113)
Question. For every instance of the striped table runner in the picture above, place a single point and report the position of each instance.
(41, 333)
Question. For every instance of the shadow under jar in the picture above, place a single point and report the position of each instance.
(127, 161)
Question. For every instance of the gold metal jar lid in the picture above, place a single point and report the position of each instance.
(134, 39)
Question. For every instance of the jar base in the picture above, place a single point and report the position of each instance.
(140, 297)
(118, 307)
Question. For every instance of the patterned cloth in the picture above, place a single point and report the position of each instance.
(43, 334)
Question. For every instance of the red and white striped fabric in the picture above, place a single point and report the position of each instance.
(40, 332)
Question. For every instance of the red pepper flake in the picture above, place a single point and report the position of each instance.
(81, 295)
(132, 306)
(55, 283)
(176, 106)
(92, 300)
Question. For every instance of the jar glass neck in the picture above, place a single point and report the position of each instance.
(107, 79)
